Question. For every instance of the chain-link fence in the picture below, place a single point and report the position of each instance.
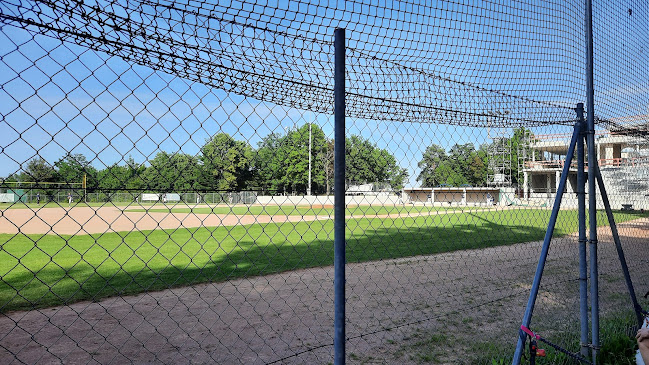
(168, 181)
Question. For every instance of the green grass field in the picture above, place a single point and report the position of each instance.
(48, 270)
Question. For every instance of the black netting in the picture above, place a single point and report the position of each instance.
(167, 178)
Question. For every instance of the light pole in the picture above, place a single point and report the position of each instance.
(308, 187)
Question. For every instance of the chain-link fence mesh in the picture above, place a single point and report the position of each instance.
(167, 178)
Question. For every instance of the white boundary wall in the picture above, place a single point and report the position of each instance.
(150, 197)
(7, 198)
(380, 199)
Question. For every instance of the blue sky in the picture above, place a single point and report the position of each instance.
(81, 101)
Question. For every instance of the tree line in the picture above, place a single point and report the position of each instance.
(464, 165)
(278, 165)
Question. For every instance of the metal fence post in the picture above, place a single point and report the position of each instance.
(592, 198)
(339, 197)
(583, 269)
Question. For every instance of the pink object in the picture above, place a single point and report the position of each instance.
(529, 332)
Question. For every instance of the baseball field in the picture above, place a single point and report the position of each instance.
(178, 283)
(60, 255)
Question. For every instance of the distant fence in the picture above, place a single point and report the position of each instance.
(79, 195)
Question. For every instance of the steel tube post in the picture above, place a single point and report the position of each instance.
(592, 197)
(581, 203)
(339, 196)
(618, 246)
(527, 317)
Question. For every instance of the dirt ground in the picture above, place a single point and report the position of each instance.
(445, 308)
(87, 220)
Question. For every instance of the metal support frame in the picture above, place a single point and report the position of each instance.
(583, 130)
(527, 317)
(581, 203)
(339, 196)
(592, 167)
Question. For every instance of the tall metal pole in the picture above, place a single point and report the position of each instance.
(592, 197)
(308, 187)
(581, 202)
(527, 317)
(339, 196)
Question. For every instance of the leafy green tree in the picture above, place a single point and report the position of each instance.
(113, 177)
(39, 170)
(477, 168)
(122, 178)
(445, 174)
(172, 172)
(269, 163)
(297, 158)
(226, 163)
(462, 166)
(281, 163)
(72, 169)
(461, 156)
(430, 161)
(366, 163)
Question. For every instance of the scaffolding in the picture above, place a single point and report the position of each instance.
(525, 154)
(499, 156)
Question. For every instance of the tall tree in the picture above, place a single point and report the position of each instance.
(477, 168)
(226, 163)
(113, 177)
(269, 163)
(73, 168)
(463, 165)
(39, 170)
(172, 172)
(281, 163)
(297, 158)
(430, 161)
(366, 163)
(122, 178)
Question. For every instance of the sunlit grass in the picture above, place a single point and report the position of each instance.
(47, 270)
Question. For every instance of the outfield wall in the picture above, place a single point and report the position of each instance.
(7, 198)
(379, 199)
(445, 198)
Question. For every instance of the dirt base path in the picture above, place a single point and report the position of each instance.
(88, 220)
(446, 308)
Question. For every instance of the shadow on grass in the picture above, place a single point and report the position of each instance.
(63, 270)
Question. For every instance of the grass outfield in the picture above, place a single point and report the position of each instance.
(47, 270)
(300, 210)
